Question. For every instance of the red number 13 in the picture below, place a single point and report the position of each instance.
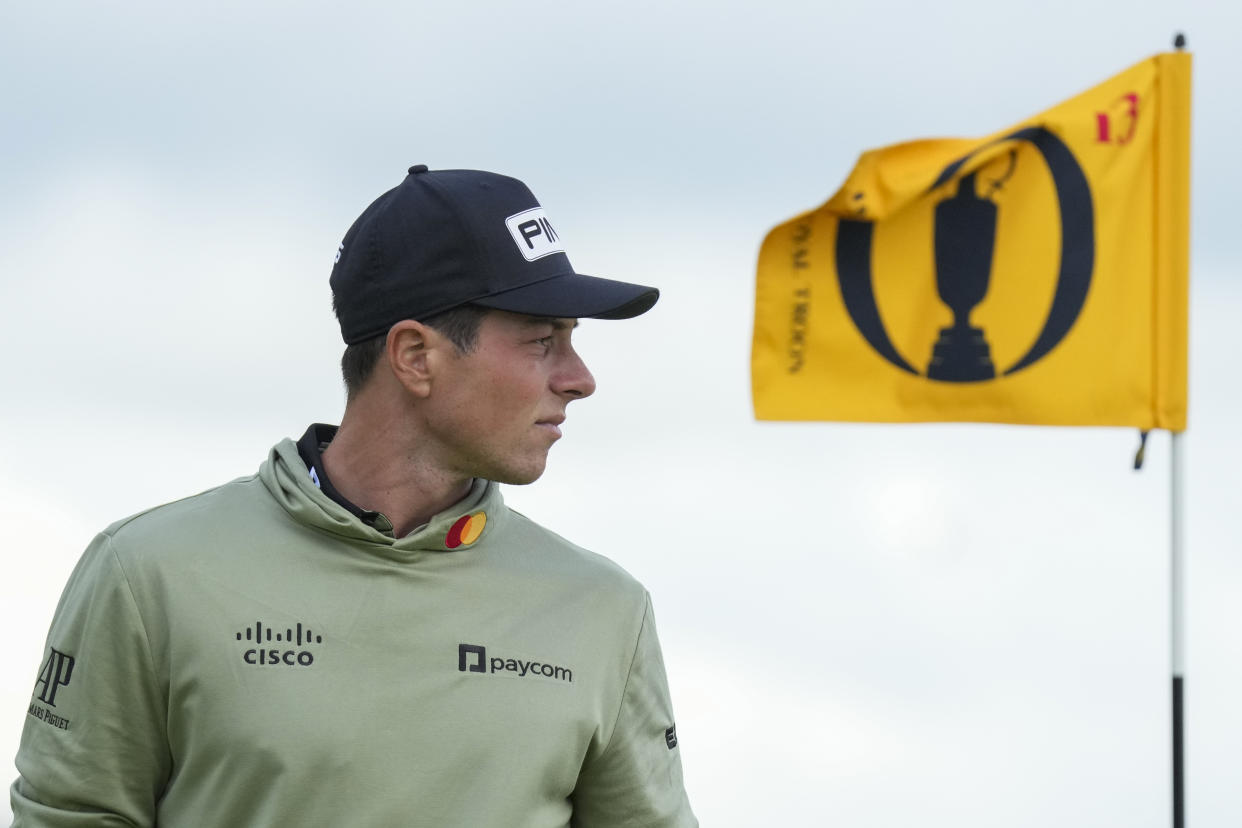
(1103, 123)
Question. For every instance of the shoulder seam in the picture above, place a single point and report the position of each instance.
(110, 532)
(146, 637)
(629, 671)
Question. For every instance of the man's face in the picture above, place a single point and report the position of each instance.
(494, 412)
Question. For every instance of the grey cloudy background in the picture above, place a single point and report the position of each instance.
(951, 625)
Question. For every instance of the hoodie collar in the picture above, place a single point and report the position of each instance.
(310, 449)
(465, 525)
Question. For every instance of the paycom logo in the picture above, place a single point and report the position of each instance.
(473, 658)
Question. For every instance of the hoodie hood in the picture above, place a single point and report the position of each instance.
(465, 525)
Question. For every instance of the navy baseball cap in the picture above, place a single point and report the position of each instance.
(445, 238)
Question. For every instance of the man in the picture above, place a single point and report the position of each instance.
(361, 634)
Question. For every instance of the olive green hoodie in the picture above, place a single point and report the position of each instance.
(258, 656)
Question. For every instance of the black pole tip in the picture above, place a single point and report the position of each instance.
(1179, 41)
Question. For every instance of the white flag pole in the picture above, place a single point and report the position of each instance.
(1177, 637)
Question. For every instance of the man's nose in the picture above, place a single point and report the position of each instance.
(575, 379)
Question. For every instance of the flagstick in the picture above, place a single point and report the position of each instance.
(1177, 601)
(1177, 584)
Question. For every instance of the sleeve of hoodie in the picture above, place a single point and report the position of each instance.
(94, 750)
(636, 779)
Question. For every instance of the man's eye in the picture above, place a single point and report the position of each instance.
(545, 341)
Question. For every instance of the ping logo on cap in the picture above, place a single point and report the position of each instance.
(533, 234)
(466, 530)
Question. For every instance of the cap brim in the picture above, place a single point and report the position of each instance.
(575, 296)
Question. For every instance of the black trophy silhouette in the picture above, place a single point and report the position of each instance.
(965, 237)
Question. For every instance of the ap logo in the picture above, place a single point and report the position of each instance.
(55, 673)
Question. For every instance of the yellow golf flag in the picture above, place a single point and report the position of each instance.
(1038, 275)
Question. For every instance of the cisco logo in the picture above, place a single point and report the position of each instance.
(291, 650)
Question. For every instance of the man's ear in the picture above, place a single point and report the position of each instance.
(408, 350)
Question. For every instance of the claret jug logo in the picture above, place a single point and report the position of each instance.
(292, 645)
(966, 234)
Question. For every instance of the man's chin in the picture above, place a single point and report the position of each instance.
(519, 477)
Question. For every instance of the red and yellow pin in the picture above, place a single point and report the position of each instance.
(466, 530)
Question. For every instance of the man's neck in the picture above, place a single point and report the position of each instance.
(380, 468)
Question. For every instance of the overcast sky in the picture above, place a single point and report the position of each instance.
(951, 625)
